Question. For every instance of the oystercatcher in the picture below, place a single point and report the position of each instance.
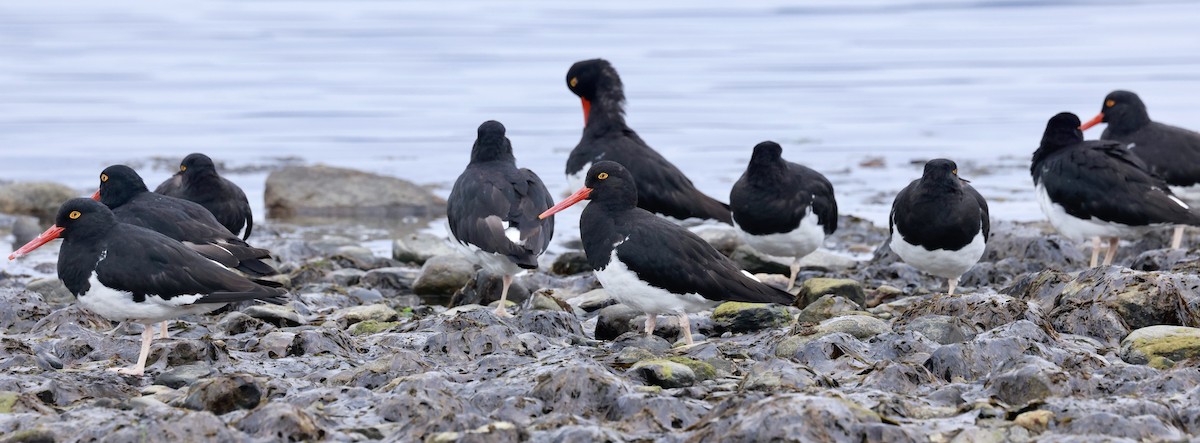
(781, 208)
(662, 188)
(1170, 152)
(939, 224)
(1098, 189)
(493, 210)
(652, 264)
(197, 180)
(128, 273)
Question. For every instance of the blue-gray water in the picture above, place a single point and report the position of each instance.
(398, 88)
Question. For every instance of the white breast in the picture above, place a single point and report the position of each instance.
(943, 263)
(625, 286)
(118, 305)
(789, 246)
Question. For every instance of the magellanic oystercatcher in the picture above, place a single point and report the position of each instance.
(662, 188)
(493, 210)
(1170, 152)
(939, 224)
(1098, 189)
(197, 181)
(781, 208)
(652, 264)
(128, 273)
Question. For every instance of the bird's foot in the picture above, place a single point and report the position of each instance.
(502, 313)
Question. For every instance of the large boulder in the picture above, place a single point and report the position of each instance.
(39, 199)
(325, 191)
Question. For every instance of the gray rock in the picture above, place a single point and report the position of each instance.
(858, 326)
(375, 312)
(25, 229)
(279, 344)
(615, 320)
(826, 261)
(52, 290)
(390, 278)
(21, 311)
(356, 257)
(814, 288)
(723, 238)
(418, 247)
(828, 306)
(279, 315)
(281, 422)
(1032, 379)
(656, 414)
(38, 199)
(746, 317)
(570, 263)
(443, 275)
(943, 329)
(550, 323)
(592, 300)
(785, 417)
(235, 323)
(365, 296)
(778, 375)
(585, 389)
(224, 394)
(327, 191)
(664, 373)
(1160, 345)
(345, 277)
(544, 299)
(484, 288)
(180, 376)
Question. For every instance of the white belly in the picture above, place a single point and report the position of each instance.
(789, 246)
(118, 305)
(1078, 229)
(623, 285)
(943, 263)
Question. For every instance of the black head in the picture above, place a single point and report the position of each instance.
(1123, 111)
(118, 184)
(766, 152)
(590, 79)
(608, 185)
(197, 164)
(78, 218)
(1061, 131)
(940, 168)
(491, 144)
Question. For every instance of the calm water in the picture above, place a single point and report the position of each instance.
(399, 87)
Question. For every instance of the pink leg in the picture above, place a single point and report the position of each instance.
(140, 367)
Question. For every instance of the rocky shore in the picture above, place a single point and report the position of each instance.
(402, 348)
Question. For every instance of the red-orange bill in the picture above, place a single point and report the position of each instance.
(1093, 122)
(42, 239)
(96, 196)
(580, 195)
(587, 109)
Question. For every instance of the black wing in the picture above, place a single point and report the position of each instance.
(939, 217)
(1171, 152)
(824, 205)
(168, 269)
(233, 208)
(985, 216)
(489, 204)
(1102, 179)
(172, 186)
(668, 256)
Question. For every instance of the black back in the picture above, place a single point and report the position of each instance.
(124, 192)
(492, 191)
(1169, 152)
(940, 210)
(660, 252)
(141, 261)
(1101, 179)
(662, 188)
(198, 181)
(773, 195)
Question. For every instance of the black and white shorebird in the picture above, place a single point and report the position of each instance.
(197, 181)
(1170, 152)
(493, 210)
(650, 263)
(662, 188)
(1098, 189)
(782, 209)
(128, 273)
(939, 224)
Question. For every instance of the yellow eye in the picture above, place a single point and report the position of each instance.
(1109, 103)
(74, 215)
(182, 168)
(103, 178)
(574, 81)
(955, 172)
(602, 175)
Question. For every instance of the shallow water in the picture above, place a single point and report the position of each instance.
(399, 87)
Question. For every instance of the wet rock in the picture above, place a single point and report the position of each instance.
(235, 323)
(279, 344)
(982, 311)
(593, 300)
(1035, 421)
(778, 375)
(664, 373)
(24, 230)
(365, 296)
(224, 394)
(858, 326)
(381, 371)
(615, 320)
(345, 277)
(484, 288)
(428, 403)
(335, 192)
(281, 422)
(495, 431)
(1034, 249)
(746, 317)
(354, 257)
(1107, 303)
(375, 312)
(752, 261)
(544, 299)
(583, 389)
(371, 327)
(828, 306)
(180, 376)
(942, 329)
(38, 199)
(550, 323)
(814, 288)
(725, 239)
(1162, 259)
(278, 315)
(1174, 343)
(443, 275)
(21, 311)
(1030, 379)
(651, 413)
(570, 263)
(29, 436)
(785, 417)
(418, 247)
(52, 290)
(390, 278)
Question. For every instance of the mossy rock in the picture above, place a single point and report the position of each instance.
(813, 288)
(703, 370)
(8, 400)
(664, 373)
(749, 317)
(1172, 343)
(371, 327)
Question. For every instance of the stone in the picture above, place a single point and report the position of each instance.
(38, 199)
(365, 296)
(345, 277)
(354, 257)
(224, 394)
(52, 290)
(741, 317)
(180, 376)
(326, 191)
(279, 344)
(1032, 380)
(785, 417)
(484, 289)
(826, 307)
(371, 327)
(826, 261)
(25, 229)
(418, 247)
(664, 373)
(615, 320)
(390, 278)
(279, 315)
(281, 422)
(702, 369)
(443, 275)
(544, 299)
(375, 312)
(1174, 343)
(570, 263)
(723, 238)
(593, 300)
(813, 288)
(236, 322)
(859, 326)
(942, 329)
(1035, 421)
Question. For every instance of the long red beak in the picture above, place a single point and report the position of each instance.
(96, 196)
(42, 239)
(580, 195)
(1093, 122)
(587, 109)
